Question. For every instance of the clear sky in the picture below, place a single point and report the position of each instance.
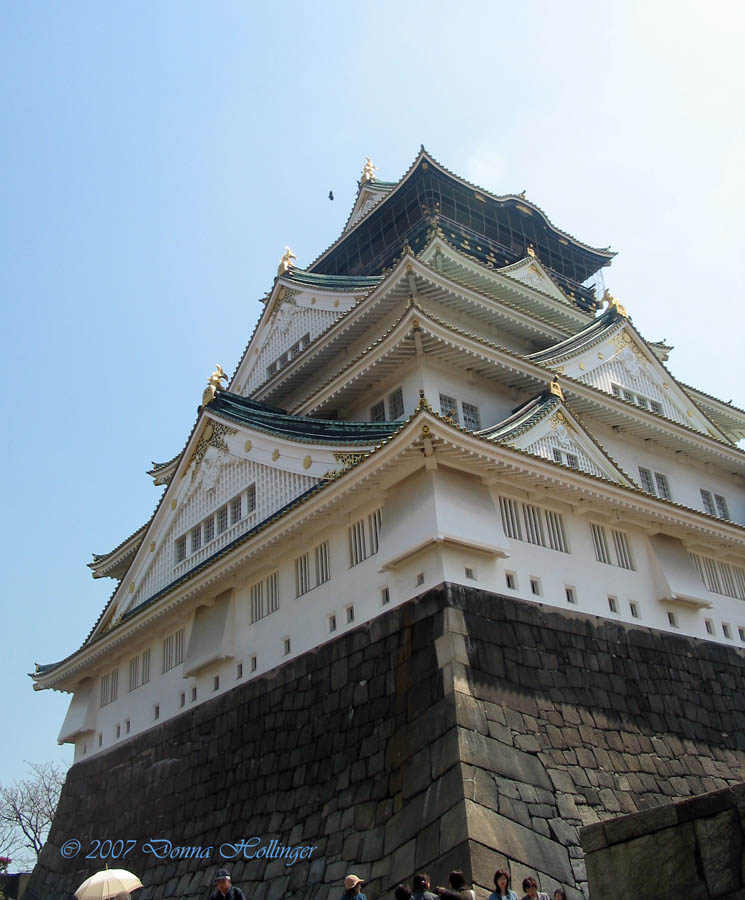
(157, 157)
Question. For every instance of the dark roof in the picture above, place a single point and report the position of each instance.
(506, 226)
(593, 332)
(522, 419)
(269, 418)
(332, 282)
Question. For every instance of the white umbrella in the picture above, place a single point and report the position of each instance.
(107, 883)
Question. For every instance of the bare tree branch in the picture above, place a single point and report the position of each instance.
(26, 811)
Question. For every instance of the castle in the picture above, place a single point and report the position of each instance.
(443, 397)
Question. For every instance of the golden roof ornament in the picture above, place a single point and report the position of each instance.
(286, 263)
(555, 388)
(368, 171)
(531, 251)
(613, 303)
(213, 385)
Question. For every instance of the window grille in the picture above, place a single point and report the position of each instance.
(350, 614)
(357, 544)
(109, 687)
(533, 525)
(209, 529)
(302, 577)
(471, 416)
(655, 483)
(722, 510)
(272, 593)
(396, 404)
(663, 486)
(556, 534)
(235, 510)
(377, 412)
(385, 596)
(322, 563)
(449, 407)
(145, 666)
(251, 498)
(374, 522)
(621, 546)
(571, 595)
(332, 623)
(720, 577)
(510, 518)
(708, 502)
(257, 601)
(180, 549)
(637, 399)
(134, 673)
(173, 650)
(196, 538)
(222, 519)
(600, 543)
(568, 459)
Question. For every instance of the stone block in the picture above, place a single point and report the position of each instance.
(507, 761)
(720, 844)
(403, 862)
(519, 842)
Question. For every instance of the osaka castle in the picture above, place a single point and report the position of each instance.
(445, 395)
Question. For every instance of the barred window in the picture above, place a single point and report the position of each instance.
(173, 650)
(209, 529)
(181, 549)
(364, 537)
(621, 555)
(533, 524)
(600, 543)
(196, 538)
(568, 459)
(109, 687)
(236, 510)
(621, 546)
(637, 399)
(655, 483)
(720, 577)
(377, 412)
(134, 673)
(145, 666)
(302, 577)
(471, 416)
(396, 404)
(222, 519)
(708, 502)
(272, 593)
(722, 509)
(251, 498)
(449, 407)
(257, 601)
(322, 563)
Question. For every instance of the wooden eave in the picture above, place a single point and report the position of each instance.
(411, 278)
(728, 418)
(443, 341)
(469, 272)
(513, 471)
(116, 562)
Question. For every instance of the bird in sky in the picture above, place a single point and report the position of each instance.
(331, 195)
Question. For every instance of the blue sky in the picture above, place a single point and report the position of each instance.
(157, 157)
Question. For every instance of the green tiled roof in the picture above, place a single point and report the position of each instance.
(593, 332)
(269, 418)
(522, 419)
(333, 282)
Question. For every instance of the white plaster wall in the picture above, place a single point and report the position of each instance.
(494, 403)
(305, 621)
(685, 475)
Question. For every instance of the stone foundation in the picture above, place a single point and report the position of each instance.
(462, 729)
(691, 849)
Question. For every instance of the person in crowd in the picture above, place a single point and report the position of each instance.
(421, 889)
(353, 888)
(502, 887)
(531, 890)
(224, 890)
(458, 890)
(402, 892)
(560, 894)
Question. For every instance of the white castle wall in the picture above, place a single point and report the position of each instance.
(305, 619)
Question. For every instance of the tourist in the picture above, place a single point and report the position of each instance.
(353, 888)
(502, 887)
(224, 890)
(459, 890)
(402, 892)
(560, 894)
(421, 888)
(531, 890)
